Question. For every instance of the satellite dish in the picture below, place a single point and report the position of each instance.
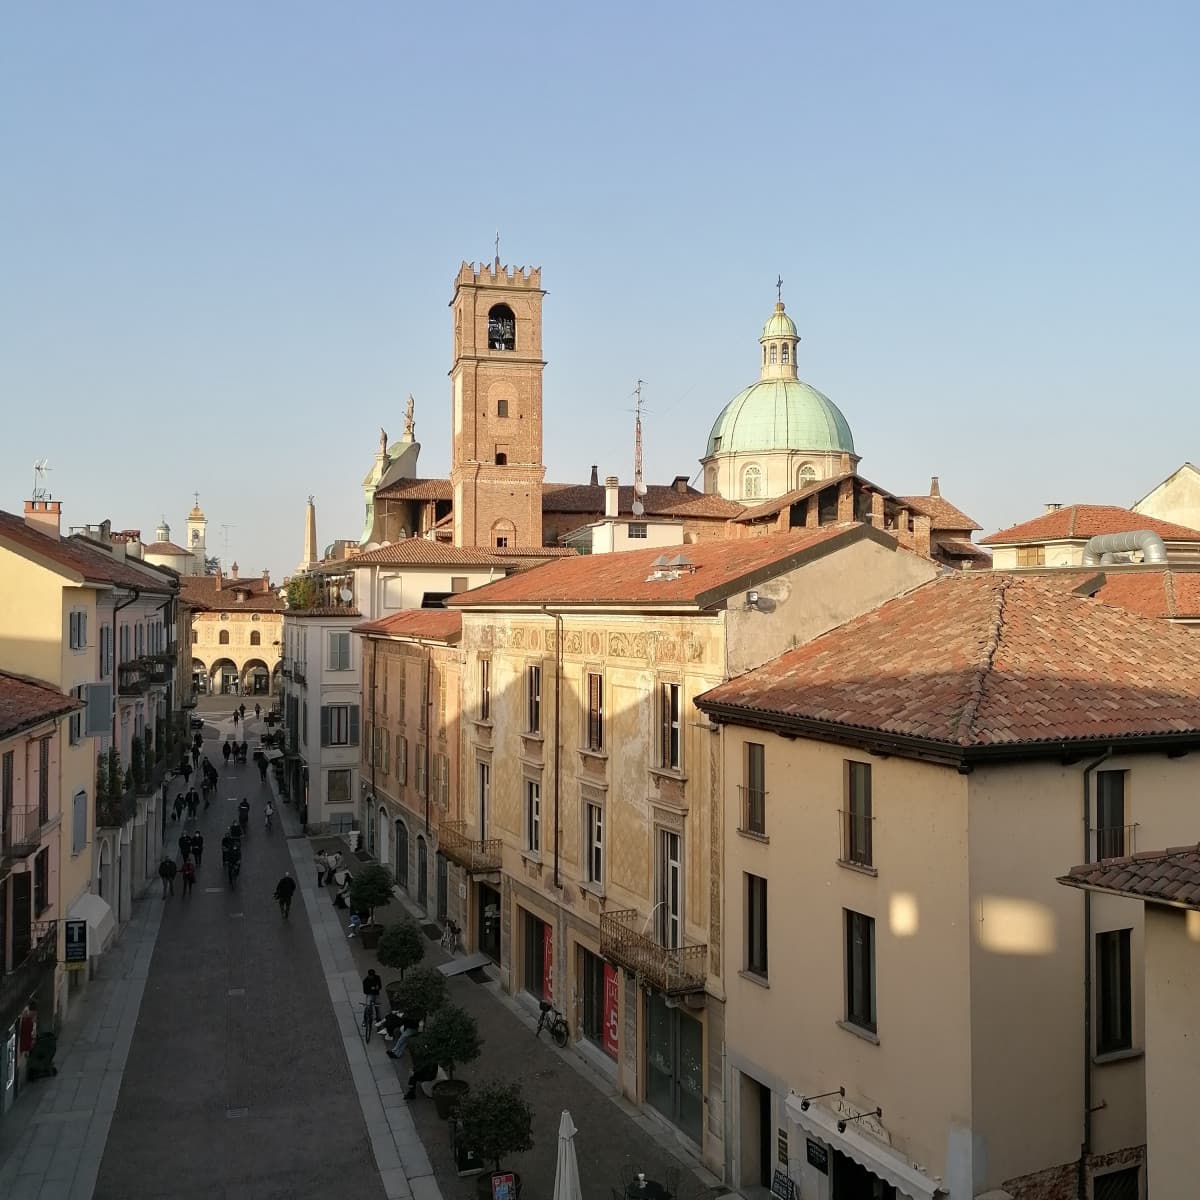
(639, 488)
(346, 594)
(638, 508)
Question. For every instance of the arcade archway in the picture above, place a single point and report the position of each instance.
(255, 678)
(223, 678)
(200, 677)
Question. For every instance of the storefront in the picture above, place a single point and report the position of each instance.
(488, 911)
(598, 1010)
(675, 1064)
(537, 956)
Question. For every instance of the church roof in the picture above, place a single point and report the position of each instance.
(779, 414)
(166, 548)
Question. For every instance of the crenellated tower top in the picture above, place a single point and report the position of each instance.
(498, 275)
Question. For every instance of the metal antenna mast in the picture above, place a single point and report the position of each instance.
(639, 487)
(40, 467)
(225, 536)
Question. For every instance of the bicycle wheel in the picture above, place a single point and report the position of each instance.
(559, 1029)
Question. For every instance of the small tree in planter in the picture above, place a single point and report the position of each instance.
(496, 1121)
(137, 763)
(370, 889)
(115, 776)
(148, 754)
(450, 1039)
(401, 946)
(419, 994)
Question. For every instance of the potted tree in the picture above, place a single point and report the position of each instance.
(370, 889)
(401, 946)
(450, 1038)
(496, 1121)
(419, 994)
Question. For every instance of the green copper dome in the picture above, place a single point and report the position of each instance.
(779, 414)
(779, 325)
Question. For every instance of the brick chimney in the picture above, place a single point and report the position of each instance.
(612, 501)
(595, 480)
(217, 577)
(45, 516)
(266, 579)
(935, 488)
(233, 570)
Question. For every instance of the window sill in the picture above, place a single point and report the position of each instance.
(592, 889)
(751, 835)
(859, 1032)
(1113, 1056)
(861, 868)
(531, 735)
(532, 856)
(599, 755)
(482, 722)
(669, 773)
(758, 980)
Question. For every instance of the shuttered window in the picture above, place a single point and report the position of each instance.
(595, 720)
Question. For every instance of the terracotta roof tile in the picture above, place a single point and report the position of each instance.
(1165, 876)
(660, 500)
(415, 552)
(438, 623)
(1079, 522)
(1156, 593)
(942, 514)
(957, 548)
(200, 591)
(417, 489)
(165, 548)
(25, 702)
(720, 567)
(323, 611)
(510, 552)
(981, 659)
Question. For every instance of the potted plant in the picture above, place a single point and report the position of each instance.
(370, 889)
(496, 1121)
(137, 763)
(419, 994)
(450, 1038)
(401, 946)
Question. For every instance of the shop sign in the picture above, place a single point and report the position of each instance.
(783, 1186)
(76, 944)
(611, 1029)
(818, 1156)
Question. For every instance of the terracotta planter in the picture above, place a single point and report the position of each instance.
(369, 935)
(447, 1094)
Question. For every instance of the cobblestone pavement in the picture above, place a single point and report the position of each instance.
(236, 1087)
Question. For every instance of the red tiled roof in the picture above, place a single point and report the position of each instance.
(165, 548)
(957, 548)
(1157, 593)
(417, 489)
(324, 611)
(93, 563)
(983, 659)
(415, 551)
(1160, 876)
(1078, 522)
(942, 514)
(660, 500)
(25, 702)
(438, 623)
(200, 591)
(506, 552)
(721, 567)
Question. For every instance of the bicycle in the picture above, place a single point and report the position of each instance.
(554, 1021)
(370, 1016)
(450, 937)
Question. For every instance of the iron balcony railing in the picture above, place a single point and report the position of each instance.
(858, 841)
(478, 856)
(298, 676)
(674, 970)
(1114, 841)
(20, 985)
(131, 679)
(20, 834)
(754, 809)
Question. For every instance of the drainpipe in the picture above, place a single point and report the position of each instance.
(374, 727)
(1086, 1148)
(558, 653)
(117, 606)
(428, 723)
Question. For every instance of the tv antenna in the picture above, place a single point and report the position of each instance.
(40, 467)
(639, 486)
(225, 537)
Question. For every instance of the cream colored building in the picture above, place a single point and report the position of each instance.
(1176, 499)
(905, 981)
(591, 792)
(1168, 884)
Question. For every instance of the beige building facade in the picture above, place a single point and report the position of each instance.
(1176, 499)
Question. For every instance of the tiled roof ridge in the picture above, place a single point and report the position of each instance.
(1169, 586)
(966, 721)
(1074, 510)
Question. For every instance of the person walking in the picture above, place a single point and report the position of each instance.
(166, 872)
(185, 846)
(198, 847)
(226, 751)
(193, 803)
(285, 889)
(236, 718)
(242, 711)
(262, 767)
(178, 806)
(185, 769)
(257, 711)
(195, 757)
(189, 876)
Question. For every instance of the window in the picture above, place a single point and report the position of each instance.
(195, 638)
(123, 640)
(501, 458)
(77, 630)
(79, 830)
(504, 533)
(784, 354)
(806, 475)
(423, 715)
(223, 637)
(502, 328)
(1031, 556)
(501, 542)
(669, 714)
(502, 408)
(595, 717)
(538, 956)
(43, 780)
(774, 353)
(485, 689)
(402, 854)
(6, 796)
(422, 770)
(402, 690)
(441, 780)
(533, 698)
(860, 970)
(339, 650)
(533, 816)
(637, 530)
(1110, 814)
(75, 721)
(756, 925)
(255, 638)
(41, 881)
(754, 790)
(856, 816)
(669, 904)
(337, 787)
(752, 483)
(1124, 1184)
(139, 640)
(594, 844)
(339, 725)
(401, 759)
(1114, 1013)
(483, 796)
(106, 650)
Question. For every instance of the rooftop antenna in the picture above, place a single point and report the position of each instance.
(40, 467)
(225, 535)
(639, 487)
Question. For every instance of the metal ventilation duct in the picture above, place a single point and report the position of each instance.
(1099, 550)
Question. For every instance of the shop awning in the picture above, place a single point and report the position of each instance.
(101, 924)
(868, 1152)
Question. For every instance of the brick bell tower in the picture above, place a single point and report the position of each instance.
(496, 468)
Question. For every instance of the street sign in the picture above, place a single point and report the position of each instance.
(76, 943)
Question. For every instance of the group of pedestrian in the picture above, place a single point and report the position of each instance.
(235, 750)
(188, 801)
(191, 851)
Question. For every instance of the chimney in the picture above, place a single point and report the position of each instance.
(233, 570)
(1053, 506)
(612, 501)
(45, 516)
(595, 480)
(217, 576)
(266, 578)
(921, 538)
(935, 489)
(680, 484)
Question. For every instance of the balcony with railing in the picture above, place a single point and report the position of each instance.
(674, 970)
(131, 679)
(858, 840)
(20, 834)
(1113, 841)
(32, 968)
(477, 856)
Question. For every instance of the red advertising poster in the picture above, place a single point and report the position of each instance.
(610, 1010)
(547, 962)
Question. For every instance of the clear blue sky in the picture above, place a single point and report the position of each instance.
(228, 234)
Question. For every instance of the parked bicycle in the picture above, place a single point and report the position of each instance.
(554, 1021)
(450, 936)
(369, 1017)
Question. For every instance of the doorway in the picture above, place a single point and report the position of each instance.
(675, 1064)
(422, 872)
(757, 1163)
(852, 1181)
(489, 922)
(443, 887)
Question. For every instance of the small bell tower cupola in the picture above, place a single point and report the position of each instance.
(779, 341)
(162, 531)
(197, 527)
